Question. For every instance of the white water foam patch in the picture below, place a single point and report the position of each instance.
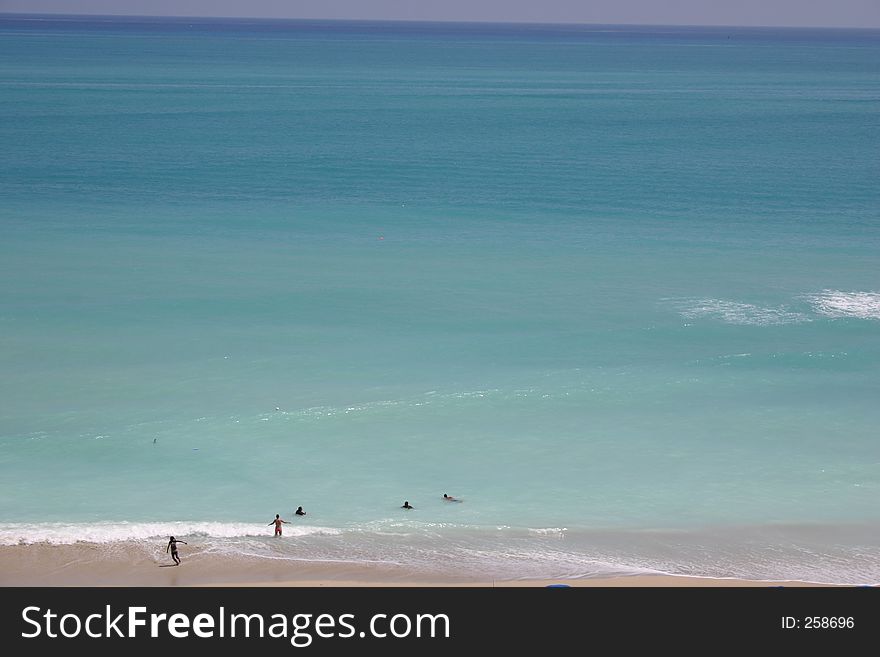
(735, 312)
(549, 531)
(838, 304)
(430, 398)
(117, 532)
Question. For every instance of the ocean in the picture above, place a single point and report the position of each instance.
(617, 288)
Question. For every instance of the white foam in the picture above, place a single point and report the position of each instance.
(549, 531)
(838, 304)
(431, 397)
(735, 312)
(115, 532)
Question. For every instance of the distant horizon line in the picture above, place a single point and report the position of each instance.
(56, 15)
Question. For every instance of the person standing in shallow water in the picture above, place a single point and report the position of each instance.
(278, 522)
(172, 545)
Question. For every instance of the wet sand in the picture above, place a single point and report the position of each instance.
(89, 564)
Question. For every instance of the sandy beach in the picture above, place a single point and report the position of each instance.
(89, 564)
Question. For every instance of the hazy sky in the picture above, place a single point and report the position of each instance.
(819, 13)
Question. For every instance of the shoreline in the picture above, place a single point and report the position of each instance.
(96, 565)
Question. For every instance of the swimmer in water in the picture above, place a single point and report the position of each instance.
(406, 505)
(300, 512)
(449, 498)
(278, 522)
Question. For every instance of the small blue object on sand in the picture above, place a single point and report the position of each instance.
(558, 586)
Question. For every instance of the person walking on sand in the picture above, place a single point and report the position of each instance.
(278, 522)
(172, 545)
(300, 512)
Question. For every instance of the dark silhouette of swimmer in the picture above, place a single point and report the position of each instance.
(300, 512)
(278, 522)
(406, 505)
(449, 498)
(172, 545)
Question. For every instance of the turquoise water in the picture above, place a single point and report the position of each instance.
(617, 288)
